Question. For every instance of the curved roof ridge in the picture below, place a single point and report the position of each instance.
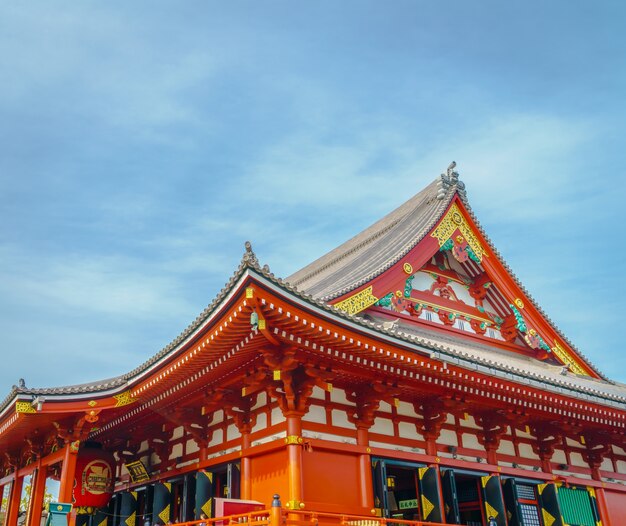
(418, 214)
(249, 260)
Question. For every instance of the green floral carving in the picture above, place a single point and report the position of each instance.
(408, 287)
(385, 301)
(447, 245)
(521, 324)
(472, 255)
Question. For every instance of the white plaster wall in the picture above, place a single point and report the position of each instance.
(450, 420)
(471, 441)
(191, 447)
(523, 434)
(232, 432)
(340, 419)
(559, 457)
(406, 430)
(260, 401)
(261, 422)
(576, 459)
(606, 465)
(218, 416)
(506, 447)
(468, 422)
(383, 426)
(621, 466)
(177, 451)
(319, 393)
(316, 414)
(618, 450)
(143, 446)
(339, 396)
(573, 443)
(217, 438)
(384, 407)
(406, 409)
(422, 281)
(178, 432)
(447, 438)
(526, 451)
(277, 416)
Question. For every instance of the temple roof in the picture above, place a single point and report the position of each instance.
(345, 268)
(378, 247)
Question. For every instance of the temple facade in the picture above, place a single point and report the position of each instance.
(407, 375)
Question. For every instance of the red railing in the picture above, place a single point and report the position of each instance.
(252, 518)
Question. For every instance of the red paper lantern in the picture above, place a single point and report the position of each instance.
(95, 473)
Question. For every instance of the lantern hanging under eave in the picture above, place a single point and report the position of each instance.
(94, 481)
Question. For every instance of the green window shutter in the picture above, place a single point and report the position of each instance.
(576, 507)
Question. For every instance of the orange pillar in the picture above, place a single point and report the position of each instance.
(38, 490)
(294, 459)
(68, 471)
(246, 483)
(366, 485)
(14, 501)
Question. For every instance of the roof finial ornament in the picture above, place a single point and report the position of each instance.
(249, 256)
(453, 176)
(448, 180)
(21, 383)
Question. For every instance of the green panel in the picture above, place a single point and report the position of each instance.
(576, 507)
(430, 500)
(204, 493)
(493, 500)
(161, 503)
(101, 518)
(128, 509)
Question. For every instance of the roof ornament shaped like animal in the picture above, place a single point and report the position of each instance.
(449, 180)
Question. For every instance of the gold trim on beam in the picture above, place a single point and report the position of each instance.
(451, 221)
(24, 407)
(358, 302)
(124, 398)
(560, 352)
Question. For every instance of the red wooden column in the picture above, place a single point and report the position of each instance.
(294, 458)
(246, 481)
(366, 484)
(14, 501)
(68, 470)
(38, 490)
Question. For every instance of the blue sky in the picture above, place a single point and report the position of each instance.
(142, 143)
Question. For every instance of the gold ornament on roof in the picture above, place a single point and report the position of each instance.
(452, 221)
(24, 407)
(358, 302)
(124, 398)
(561, 353)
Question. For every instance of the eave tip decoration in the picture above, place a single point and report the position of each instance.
(449, 180)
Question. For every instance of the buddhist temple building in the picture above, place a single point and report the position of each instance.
(407, 375)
